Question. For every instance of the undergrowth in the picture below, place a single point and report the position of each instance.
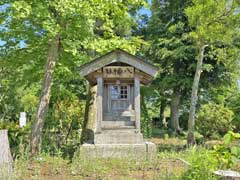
(194, 163)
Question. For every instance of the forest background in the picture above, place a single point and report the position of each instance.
(183, 38)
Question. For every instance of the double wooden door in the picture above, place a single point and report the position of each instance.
(118, 102)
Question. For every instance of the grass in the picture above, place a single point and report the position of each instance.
(53, 168)
(170, 164)
(166, 141)
(167, 165)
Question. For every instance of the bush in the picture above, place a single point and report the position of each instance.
(214, 119)
(18, 137)
(228, 153)
(202, 165)
(62, 130)
(234, 105)
(198, 137)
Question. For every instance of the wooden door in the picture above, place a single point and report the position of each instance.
(118, 105)
(119, 98)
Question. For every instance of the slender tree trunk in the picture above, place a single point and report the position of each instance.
(175, 104)
(194, 97)
(6, 161)
(162, 110)
(38, 124)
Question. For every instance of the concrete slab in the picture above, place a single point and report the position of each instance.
(143, 151)
(118, 137)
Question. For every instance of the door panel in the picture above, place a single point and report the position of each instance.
(119, 97)
(118, 102)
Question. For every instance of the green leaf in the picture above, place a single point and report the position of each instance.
(234, 150)
(227, 138)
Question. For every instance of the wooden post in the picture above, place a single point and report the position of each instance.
(99, 103)
(137, 102)
(6, 160)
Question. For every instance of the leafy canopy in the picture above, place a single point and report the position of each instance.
(213, 21)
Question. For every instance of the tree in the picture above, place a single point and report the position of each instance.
(211, 22)
(173, 50)
(63, 31)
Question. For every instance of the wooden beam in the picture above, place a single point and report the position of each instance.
(121, 57)
(99, 103)
(137, 102)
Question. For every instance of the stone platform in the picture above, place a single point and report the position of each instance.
(143, 151)
(118, 136)
(119, 143)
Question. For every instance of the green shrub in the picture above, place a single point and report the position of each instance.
(202, 164)
(234, 105)
(198, 137)
(214, 119)
(62, 129)
(228, 153)
(18, 137)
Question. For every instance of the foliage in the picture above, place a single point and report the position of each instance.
(63, 126)
(174, 34)
(233, 103)
(212, 22)
(173, 50)
(29, 100)
(147, 113)
(198, 137)
(87, 30)
(202, 164)
(228, 153)
(196, 163)
(18, 137)
(214, 119)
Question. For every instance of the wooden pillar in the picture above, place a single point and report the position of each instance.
(137, 102)
(99, 103)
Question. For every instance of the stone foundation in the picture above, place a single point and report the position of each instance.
(143, 151)
(118, 137)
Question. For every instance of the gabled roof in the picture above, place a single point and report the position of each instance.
(121, 56)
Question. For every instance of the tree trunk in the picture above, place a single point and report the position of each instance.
(194, 97)
(174, 119)
(6, 160)
(38, 124)
(162, 110)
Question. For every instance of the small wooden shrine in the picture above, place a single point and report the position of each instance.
(113, 111)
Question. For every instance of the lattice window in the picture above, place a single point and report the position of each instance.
(119, 92)
(123, 92)
(119, 97)
(114, 92)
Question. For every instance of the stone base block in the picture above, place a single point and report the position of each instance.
(144, 151)
(117, 137)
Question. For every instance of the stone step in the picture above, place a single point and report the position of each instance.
(120, 128)
(146, 150)
(123, 130)
(118, 137)
(117, 124)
